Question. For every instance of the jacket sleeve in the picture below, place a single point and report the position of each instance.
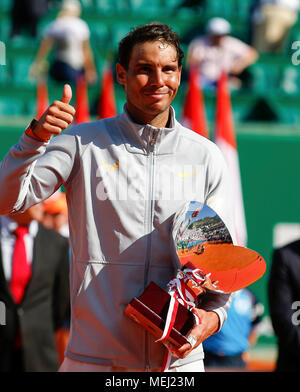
(31, 171)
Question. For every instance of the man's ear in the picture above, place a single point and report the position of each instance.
(121, 74)
(180, 73)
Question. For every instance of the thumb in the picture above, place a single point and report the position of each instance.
(67, 94)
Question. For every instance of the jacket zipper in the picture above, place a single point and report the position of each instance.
(150, 202)
(150, 220)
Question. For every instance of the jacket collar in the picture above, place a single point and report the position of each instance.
(137, 137)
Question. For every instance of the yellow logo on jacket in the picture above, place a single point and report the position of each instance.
(183, 175)
(111, 168)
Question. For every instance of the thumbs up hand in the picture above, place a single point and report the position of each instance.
(56, 118)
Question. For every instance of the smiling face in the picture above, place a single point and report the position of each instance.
(151, 81)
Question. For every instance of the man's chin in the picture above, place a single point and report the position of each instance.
(155, 111)
(158, 107)
(148, 111)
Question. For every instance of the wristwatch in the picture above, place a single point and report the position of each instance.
(30, 132)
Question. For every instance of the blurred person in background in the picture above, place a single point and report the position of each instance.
(56, 213)
(217, 51)
(272, 21)
(25, 15)
(34, 286)
(69, 37)
(228, 348)
(56, 217)
(284, 305)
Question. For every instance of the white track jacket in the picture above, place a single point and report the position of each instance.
(124, 183)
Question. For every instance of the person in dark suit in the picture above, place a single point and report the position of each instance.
(36, 306)
(284, 299)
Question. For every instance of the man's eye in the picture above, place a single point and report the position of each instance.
(169, 69)
(144, 69)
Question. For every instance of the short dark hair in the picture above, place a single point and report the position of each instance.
(149, 32)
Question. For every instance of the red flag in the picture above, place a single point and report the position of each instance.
(193, 116)
(226, 140)
(42, 101)
(107, 104)
(82, 101)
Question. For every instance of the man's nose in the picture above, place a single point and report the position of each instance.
(157, 77)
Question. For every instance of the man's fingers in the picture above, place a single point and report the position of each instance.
(182, 351)
(185, 348)
(62, 114)
(51, 129)
(178, 352)
(57, 117)
(64, 107)
(56, 122)
(67, 94)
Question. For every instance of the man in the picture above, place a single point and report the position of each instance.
(69, 37)
(56, 213)
(34, 286)
(125, 178)
(217, 51)
(284, 297)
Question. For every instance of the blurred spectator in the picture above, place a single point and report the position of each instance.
(284, 304)
(217, 51)
(69, 36)
(25, 15)
(228, 348)
(56, 213)
(34, 286)
(271, 23)
(56, 218)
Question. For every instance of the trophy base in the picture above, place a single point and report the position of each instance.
(150, 310)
